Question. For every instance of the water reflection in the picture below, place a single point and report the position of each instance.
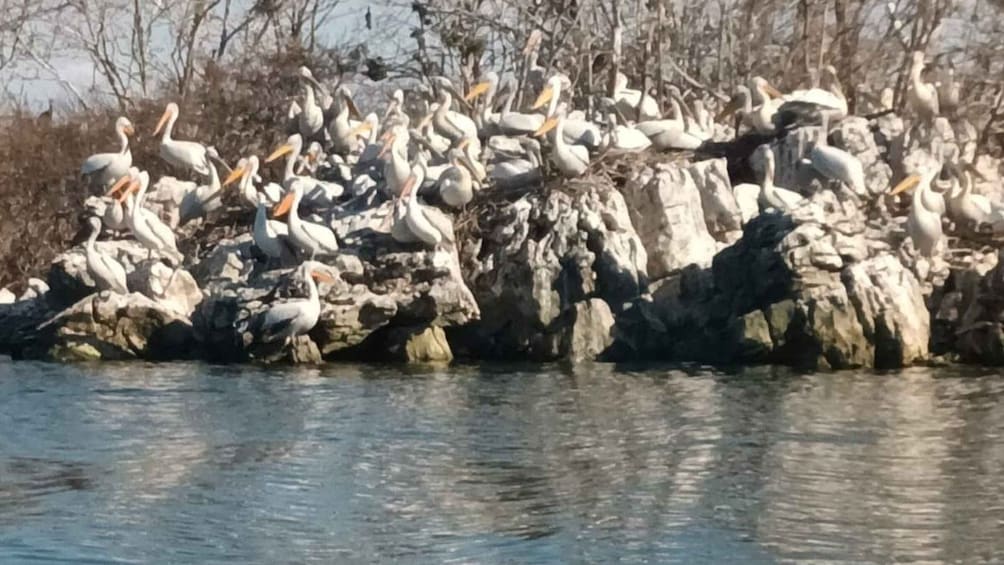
(497, 464)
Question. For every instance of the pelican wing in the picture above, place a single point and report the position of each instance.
(114, 272)
(186, 154)
(281, 320)
(323, 236)
(98, 162)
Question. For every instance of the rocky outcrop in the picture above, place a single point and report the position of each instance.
(111, 326)
(541, 266)
(804, 289)
(970, 314)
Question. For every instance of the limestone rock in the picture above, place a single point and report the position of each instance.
(591, 331)
(113, 326)
(417, 344)
(854, 135)
(667, 213)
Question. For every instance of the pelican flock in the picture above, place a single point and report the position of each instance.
(432, 153)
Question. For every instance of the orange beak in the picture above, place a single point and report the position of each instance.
(322, 277)
(283, 206)
(163, 120)
(233, 176)
(279, 152)
(118, 185)
(133, 187)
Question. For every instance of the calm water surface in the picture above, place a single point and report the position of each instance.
(498, 464)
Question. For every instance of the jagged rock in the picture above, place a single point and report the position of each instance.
(68, 277)
(667, 213)
(231, 260)
(539, 256)
(590, 331)
(797, 290)
(36, 289)
(721, 211)
(979, 332)
(113, 326)
(790, 171)
(173, 289)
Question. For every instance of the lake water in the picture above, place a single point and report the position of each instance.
(498, 464)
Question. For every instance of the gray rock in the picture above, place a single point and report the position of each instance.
(667, 213)
(590, 331)
(417, 345)
(113, 326)
(854, 135)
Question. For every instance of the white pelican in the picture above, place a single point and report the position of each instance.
(107, 272)
(456, 185)
(115, 214)
(485, 116)
(962, 205)
(454, 126)
(247, 170)
(296, 316)
(396, 169)
(740, 104)
(342, 139)
(772, 196)
(104, 169)
(924, 222)
(837, 164)
(369, 127)
(181, 154)
(577, 132)
(148, 229)
(313, 239)
(571, 160)
(628, 101)
(672, 133)
(310, 119)
(520, 172)
(625, 139)
(507, 122)
(803, 107)
(762, 116)
(430, 229)
(201, 200)
(747, 197)
(317, 192)
(271, 237)
(923, 96)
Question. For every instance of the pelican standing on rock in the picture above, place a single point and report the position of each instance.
(114, 217)
(429, 228)
(924, 222)
(107, 272)
(313, 239)
(203, 199)
(576, 132)
(187, 155)
(247, 170)
(270, 236)
(103, 169)
(149, 230)
(771, 196)
(571, 160)
(317, 192)
(297, 316)
(456, 185)
(837, 164)
(633, 103)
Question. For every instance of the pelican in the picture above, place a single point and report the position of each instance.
(804, 107)
(781, 199)
(747, 197)
(486, 118)
(632, 102)
(310, 118)
(107, 272)
(577, 132)
(149, 230)
(396, 169)
(520, 172)
(342, 139)
(201, 200)
(370, 127)
(625, 139)
(270, 236)
(297, 316)
(104, 169)
(962, 205)
(312, 238)
(924, 222)
(454, 126)
(181, 154)
(740, 104)
(317, 192)
(762, 117)
(671, 133)
(507, 122)
(923, 96)
(456, 186)
(115, 215)
(247, 170)
(837, 164)
(571, 160)
(430, 229)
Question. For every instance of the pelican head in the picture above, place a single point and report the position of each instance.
(293, 144)
(170, 112)
(124, 125)
(304, 72)
(239, 171)
(488, 81)
(551, 122)
(551, 89)
(761, 85)
(740, 100)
